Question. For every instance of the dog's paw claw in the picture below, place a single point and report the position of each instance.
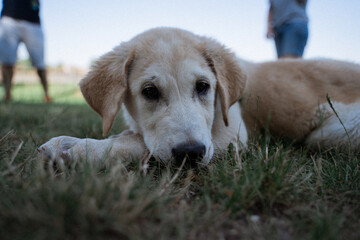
(40, 149)
(57, 148)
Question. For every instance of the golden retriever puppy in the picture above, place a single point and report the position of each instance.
(179, 92)
(180, 96)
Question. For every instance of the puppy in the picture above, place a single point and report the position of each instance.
(178, 91)
(180, 96)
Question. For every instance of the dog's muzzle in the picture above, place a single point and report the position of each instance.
(193, 151)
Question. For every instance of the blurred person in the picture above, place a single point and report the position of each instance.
(288, 25)
(20, 22)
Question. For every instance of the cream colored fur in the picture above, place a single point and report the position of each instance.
(289, 94)
(174, 61)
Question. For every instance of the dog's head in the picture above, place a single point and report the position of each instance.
(169, 80)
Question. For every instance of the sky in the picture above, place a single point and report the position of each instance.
(79, 31)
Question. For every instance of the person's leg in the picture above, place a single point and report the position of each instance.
(43, 79)
(7, 74)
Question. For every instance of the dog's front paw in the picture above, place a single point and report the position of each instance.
(57, 149)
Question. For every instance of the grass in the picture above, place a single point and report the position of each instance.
(275, 190)
(33, 93)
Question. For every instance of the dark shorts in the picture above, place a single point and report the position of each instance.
(291, 38)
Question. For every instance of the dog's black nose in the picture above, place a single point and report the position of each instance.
(193, 151)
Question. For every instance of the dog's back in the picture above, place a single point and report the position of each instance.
(291, 97)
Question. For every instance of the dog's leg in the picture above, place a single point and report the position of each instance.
(341, 129)
(69, 149)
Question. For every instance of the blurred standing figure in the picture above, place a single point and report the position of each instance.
(20, 22)
(288, 25)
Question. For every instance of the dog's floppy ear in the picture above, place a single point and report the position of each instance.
(230, 79)
(104, 86)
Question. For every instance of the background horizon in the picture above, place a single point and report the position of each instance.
(78, 32)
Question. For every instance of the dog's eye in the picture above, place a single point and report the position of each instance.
(202, 87)
(151, 92)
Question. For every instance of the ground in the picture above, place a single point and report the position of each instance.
(274, 190)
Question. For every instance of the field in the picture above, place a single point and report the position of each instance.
(275, 190)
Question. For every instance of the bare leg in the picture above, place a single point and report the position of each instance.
(43, 79)
(7, 74)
